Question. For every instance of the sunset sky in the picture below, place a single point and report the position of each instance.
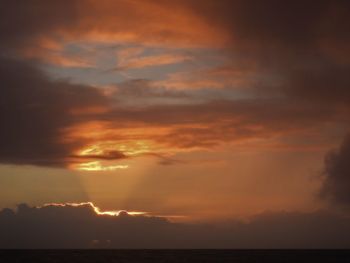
(188, 111)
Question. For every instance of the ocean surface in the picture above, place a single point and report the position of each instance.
(178, 256)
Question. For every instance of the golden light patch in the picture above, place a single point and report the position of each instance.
(106, 144)
(97, 166)
(128, 148)
(106, 150)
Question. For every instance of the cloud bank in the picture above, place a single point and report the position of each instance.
(81, 227)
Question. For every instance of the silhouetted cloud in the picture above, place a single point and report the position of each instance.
(79, 226)
(336, 186)
(35, 113)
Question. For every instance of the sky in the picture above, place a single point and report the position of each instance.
(216, 120)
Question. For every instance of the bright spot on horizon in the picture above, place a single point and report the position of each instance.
(96, 209)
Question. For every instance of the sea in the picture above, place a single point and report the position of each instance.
(175, 256)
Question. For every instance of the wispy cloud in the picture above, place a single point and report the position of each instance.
(151, 61)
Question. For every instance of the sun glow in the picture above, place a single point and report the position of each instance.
(96, 209)
(128, 148)
(107, 151)
(97, 166)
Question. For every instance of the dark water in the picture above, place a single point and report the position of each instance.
(178, 256)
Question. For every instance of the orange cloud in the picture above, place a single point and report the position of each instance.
(149, 22)
(55, 109)
(222, 77)
(55, 55)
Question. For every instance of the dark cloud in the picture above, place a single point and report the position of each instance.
(270, 30)
(326, 85)
(35, 113)
(81, 227)
(278, 30)
(34, 110)
(22, 22)
(336, 186)
(304, 45)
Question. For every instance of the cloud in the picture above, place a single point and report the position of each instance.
(305, 84)
(211, 123)
(141, 89)
(325, 85)
(336, 186)
(57, 59)
(79, 226)
(300, 31)
(106, 21)
(36, 112)
(152, 61)
(21, 24)
(244, 25)
(41, 118)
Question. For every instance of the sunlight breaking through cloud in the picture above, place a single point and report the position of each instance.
(97, 166)
(96, 209)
